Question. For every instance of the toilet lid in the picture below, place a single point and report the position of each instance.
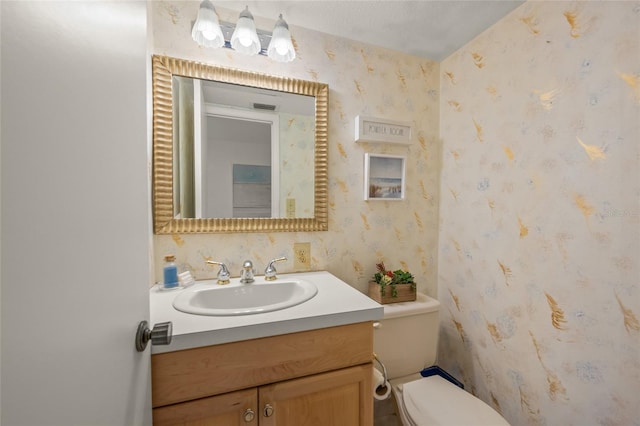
(435, 401)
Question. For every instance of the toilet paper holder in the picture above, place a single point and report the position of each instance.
(384, 369)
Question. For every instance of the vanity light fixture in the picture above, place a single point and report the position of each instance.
(281, 48)
(206, 30)
(243, 37)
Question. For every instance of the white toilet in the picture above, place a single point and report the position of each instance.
(405, 341)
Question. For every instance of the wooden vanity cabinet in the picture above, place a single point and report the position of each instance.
(342, 397)
(319, 377)
(230, 409)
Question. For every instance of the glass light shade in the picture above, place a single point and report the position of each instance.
(245, 38)
(281, 47)
(206, 30)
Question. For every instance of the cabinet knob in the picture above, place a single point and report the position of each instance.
(268, 410)
(249, 415)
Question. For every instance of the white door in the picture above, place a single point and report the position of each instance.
(75, 213)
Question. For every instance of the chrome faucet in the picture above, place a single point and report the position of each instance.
(223, 273)
(246, 275)
(270, 271)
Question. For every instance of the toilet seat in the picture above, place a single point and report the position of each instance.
(435, 401)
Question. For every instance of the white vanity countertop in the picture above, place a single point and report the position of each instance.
(336, 303)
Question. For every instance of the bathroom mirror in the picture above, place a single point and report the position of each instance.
(284, 191)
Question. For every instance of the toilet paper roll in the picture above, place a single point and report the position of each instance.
(381, 387)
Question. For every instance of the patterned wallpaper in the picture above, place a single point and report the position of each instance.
(363, 80)
(539, 237)
(296, 168)
(523, 197)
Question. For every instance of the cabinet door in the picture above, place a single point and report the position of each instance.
(229, 409)
(337, 398)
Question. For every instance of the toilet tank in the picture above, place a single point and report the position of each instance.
(406, 340)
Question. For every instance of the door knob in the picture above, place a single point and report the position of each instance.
(160, 335)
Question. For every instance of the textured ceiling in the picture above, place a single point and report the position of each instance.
(427, 28)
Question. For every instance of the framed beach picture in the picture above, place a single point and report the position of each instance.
(384, 177)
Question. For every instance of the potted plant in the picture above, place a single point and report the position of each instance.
(392, 286)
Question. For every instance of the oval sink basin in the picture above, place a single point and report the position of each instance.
(244, 299)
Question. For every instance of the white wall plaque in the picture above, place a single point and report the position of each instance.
(369, 129)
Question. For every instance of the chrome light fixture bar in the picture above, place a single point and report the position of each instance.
(243, 37)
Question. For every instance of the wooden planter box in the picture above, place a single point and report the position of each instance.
(405, 293)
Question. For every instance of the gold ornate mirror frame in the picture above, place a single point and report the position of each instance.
(164, 222)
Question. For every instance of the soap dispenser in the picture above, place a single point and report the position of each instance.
(170, 272)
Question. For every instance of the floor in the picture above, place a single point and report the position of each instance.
(385, 414)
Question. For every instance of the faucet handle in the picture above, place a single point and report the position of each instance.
(223, 273)
(270, 271)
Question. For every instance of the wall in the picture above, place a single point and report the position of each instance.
(296, 168)
(363, 80)
(539, 234)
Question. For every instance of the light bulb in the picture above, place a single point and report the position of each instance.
(281, 47)
(206, 29)
(245, 38)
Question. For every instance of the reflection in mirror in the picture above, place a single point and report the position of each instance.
(237, 151)
(249, 151)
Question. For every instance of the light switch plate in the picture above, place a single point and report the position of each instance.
(291, 207)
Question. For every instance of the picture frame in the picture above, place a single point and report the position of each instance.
(384, 177)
